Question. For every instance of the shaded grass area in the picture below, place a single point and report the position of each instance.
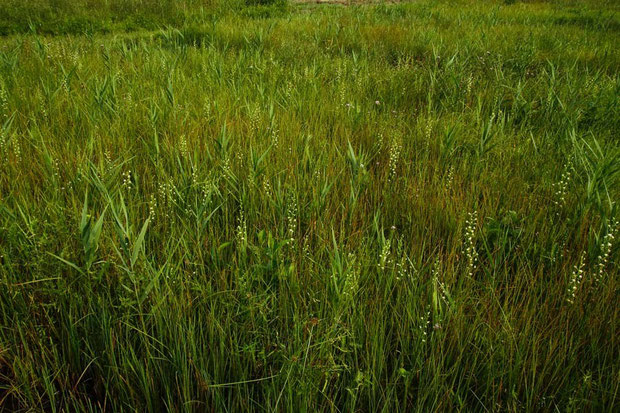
(61, 17)
(402, 207)
(53, 17)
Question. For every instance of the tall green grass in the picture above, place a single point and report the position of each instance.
(396, 207)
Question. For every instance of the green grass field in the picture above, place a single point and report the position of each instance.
(234, 207)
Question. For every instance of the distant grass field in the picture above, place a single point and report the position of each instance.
(241, 207)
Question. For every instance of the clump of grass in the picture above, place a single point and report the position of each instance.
(383, 207)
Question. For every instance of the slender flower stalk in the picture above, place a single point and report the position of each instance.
(576, 279)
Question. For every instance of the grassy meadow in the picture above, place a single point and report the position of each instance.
(256, 206)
